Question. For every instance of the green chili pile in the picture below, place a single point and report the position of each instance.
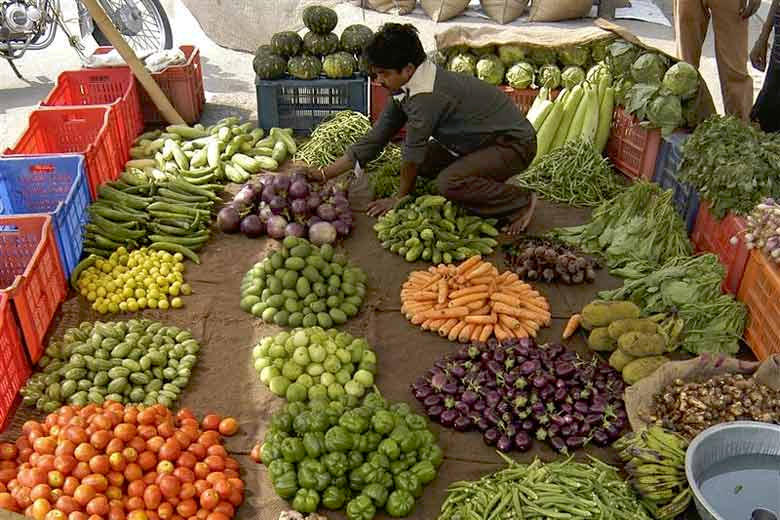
(575, 174)
(639, 224)
(563, 489)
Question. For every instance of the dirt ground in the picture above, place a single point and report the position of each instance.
(225, 382)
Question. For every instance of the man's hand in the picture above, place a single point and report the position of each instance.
(315, 174)
(749, 8)
(758, 54)
(381, 206)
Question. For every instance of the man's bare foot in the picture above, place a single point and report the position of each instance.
(520, 221)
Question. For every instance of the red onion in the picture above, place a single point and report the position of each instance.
(294, 229)
(245, 196)
(277, 205)
(298, 190)
(341, 227)
(322, 233)
(275, 227)
(252, 226)
(326, 212)
(313, 201)
(228, 219)
(299, 207)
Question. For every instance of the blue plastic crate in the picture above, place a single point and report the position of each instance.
(303, 104)
(54, 184)
(686, 198)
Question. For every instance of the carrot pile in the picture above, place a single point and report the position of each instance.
(471, 302)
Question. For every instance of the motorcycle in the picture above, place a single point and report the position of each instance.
(31, 25)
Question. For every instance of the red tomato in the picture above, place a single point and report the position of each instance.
(211, 422)
(67, 504)
(152, 497)
(228, 426)
(187, 508)
(84, 493)
(7, 502)
(170, 486)
(97, 481)
(98, 506)
(209, 499)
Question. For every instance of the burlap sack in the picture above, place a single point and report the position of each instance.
(639, 397)
(559, 10)
(442, 10)
(396, 7)
(504, 11)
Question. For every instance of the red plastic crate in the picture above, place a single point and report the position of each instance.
(113, 87)
(524, 98)
(83, 130)
(14, 368)
(183, 84)
(711, 235)
(32, 276)
(378, 100)
(632, 148)
(760, 292)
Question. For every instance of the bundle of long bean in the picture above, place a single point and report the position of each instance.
(384, 175)
(639, 224)
(563, 489)
(574, 174)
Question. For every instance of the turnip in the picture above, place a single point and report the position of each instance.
(322, 233)
(228, 220)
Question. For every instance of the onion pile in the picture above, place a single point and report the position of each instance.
(516, 391)
(282, 205)
(763, 229)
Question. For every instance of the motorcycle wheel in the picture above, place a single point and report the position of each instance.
(143, 23)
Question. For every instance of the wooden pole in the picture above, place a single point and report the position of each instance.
(156, 94)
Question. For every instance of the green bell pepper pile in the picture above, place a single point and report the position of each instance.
(360, 456)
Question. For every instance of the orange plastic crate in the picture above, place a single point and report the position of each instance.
(31, 274)
(760, 292)
(524, 98)
(183, 84)
(711, 235)
(113, 87)
(632, 148)
(83, 130)
(14, 368)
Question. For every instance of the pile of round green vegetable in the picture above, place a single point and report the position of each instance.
(431, 228)
(364, 458)
(313, 363)
(304, 285)
(134, 361)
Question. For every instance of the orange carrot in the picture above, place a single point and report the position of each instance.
(479, 311)
(465, 300)
(455, 331)
(465, 332)
(529, 329)
(481, 270)
(482, 320)
(468, 264)
(508, 321)
(443, 289)
(445, 329)
(435, 324)
(487, 331)
(500, 332)
(572, 325)
(514, 301)
(476, 333)
(452, 312)
(468, 290)
(520, 313)
(487, 280)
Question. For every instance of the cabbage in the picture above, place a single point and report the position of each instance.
(622, 88)
(549, 76)
(690, 115)
(511, 54)
(649, 68)
(463, 63)
(575, 55)
(490, 70)
(520, 75)
(620, 56)
(598, 49)
(572, 76)
(483, 51)
(665, 112)
(542, 56)
(598, 71)
(457, 49)
(682, 80)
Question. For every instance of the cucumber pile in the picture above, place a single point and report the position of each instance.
(134, 361)
(304, 285)
(432, 229)
(313, 363)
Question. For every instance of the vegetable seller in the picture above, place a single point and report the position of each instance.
(730, 24)
(463, 131)
(766, 110)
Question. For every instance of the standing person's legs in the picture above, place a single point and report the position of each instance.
(731, 53)
(691, 19)
(476, 182)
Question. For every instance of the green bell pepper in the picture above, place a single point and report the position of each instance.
(341, 482)
(432, 453)
(398, 466)
(424, 471)
(400, 503)
(336, 463)
(376, 493)
(269, 452)
(333, 498)
(353, 422)
(279, 467)
(365, 412)
(408, 481)
(295, 409)
(372, 440)
(363, 475)
(378, 460)
(409, 442)
(314, 443)
(285, 484)
(360, 508)
(275, 437)
(361, 443)
(282, 422)
(293, 450)
(385, 479)
(319, 421)
(355, 459)
(313, 475)
(401, 408)
(338, 439)
(306, 501)
(416, 422)
(390, 449)
(427, 437)
(302, 422)
(383, 422)
(374, 401)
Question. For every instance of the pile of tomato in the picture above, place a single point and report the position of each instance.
(121, 463)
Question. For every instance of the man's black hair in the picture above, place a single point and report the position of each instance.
(395, 46)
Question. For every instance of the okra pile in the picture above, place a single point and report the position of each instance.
(432, 229)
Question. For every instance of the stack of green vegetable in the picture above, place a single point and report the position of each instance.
(431, 228)
(639, 224)
(304, 285)
(689, 287)
(574, 173)
(655, 459)
(385, 179)
(732, 164)
(135, 361)
(560, 489)
(313, 363)
(362, 459)
(225, 152)
(319, 51)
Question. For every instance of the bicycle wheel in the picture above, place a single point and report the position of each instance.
(143, 23)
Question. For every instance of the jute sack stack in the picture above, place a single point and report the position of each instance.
(504, 11)
(442, 10)
(396, 7)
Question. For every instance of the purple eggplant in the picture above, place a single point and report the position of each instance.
(479, 406)
(492, 398)
(600, 437)
(447, 417)
(523, 441)
(504, 443)
(458, 371)
(462, 424)
(558, 444)
(432, 400)
(491, 436)
(469, 397)
(434, 412)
